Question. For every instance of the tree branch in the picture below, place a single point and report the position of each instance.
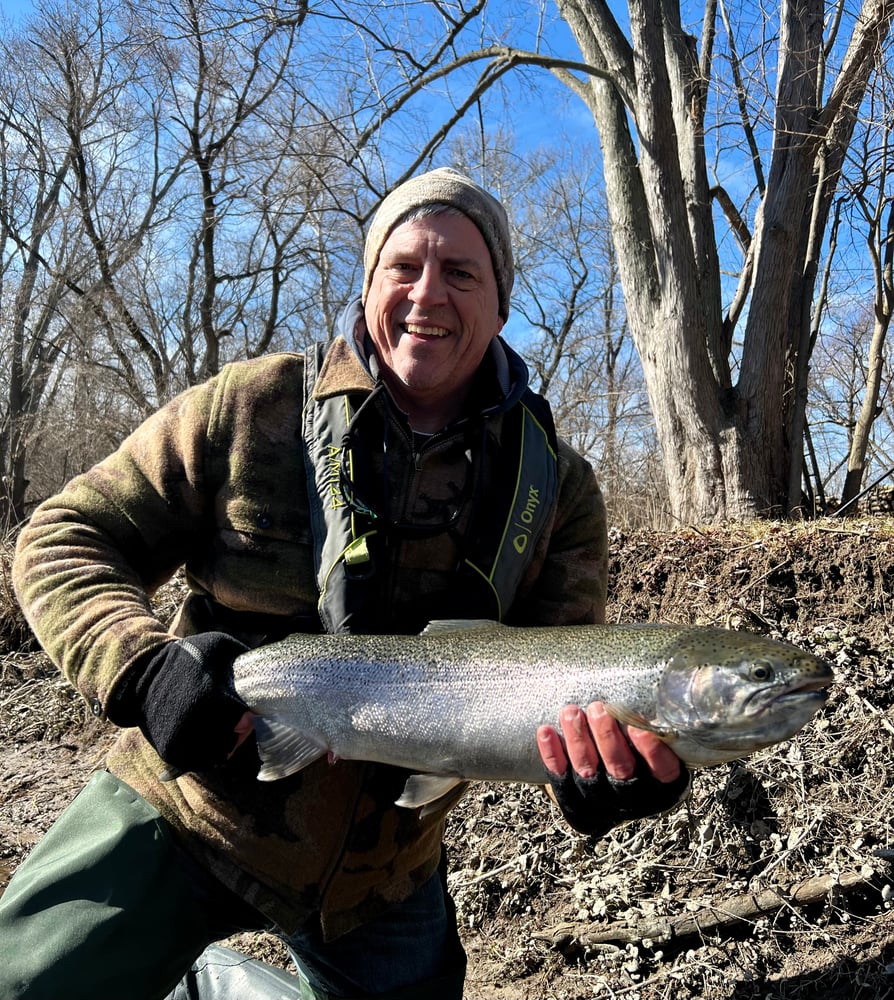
(503, 58)
(863, 52)
(713, 918)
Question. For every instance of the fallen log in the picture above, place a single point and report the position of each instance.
(712, 918)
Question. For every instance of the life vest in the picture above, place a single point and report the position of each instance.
(348, 547)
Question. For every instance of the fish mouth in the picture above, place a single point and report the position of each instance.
(777, 720)
(795, 706)
(804, 688)
(811, 691)
(818, 687)
(815, 693)
(819, 694)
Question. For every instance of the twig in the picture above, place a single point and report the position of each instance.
(876, 712)
(711, 919)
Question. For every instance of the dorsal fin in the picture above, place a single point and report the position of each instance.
(460, 625)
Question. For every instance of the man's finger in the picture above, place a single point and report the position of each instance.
(579, 746)
(611, 743)
(243, 729)
(662, 761)
(552, 753)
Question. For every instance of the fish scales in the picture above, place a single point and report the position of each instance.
(463, 700)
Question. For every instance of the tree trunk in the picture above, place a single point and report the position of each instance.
(869, 409)
(856, 461)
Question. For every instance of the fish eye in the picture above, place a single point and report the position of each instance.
(761, 671)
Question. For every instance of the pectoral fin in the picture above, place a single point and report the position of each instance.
(429, 791)
(631, 718)
(628, 717)
(625, 715)
(284, 750)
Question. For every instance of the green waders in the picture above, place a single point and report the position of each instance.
(105, 907)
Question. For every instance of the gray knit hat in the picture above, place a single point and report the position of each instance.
(445, 187)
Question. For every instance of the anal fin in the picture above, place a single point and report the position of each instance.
(428, 791)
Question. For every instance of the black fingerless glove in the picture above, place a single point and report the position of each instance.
(594, 806)
(182, 700)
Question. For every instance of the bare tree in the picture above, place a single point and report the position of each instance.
(838, 377)
(728, 443)
(568, 314)
(870, 194)
(264, 134)
(221, 67)
(170, 200)
(569, 296)
(42, 262)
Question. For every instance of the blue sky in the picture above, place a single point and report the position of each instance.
(14, 9)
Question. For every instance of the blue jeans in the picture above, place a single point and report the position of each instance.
(415, 942)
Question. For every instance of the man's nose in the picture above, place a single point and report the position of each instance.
(429, 288)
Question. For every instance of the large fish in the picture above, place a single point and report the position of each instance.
(463, 700)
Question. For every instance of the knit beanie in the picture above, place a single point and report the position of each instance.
(445, 186)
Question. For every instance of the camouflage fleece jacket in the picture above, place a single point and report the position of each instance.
(214, 482)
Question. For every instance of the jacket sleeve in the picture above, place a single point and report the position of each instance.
(568, 581)
(90, 557)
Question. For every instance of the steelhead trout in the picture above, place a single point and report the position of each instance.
(463, 700)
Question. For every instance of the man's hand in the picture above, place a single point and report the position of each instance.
(601, 777)
(182, 700)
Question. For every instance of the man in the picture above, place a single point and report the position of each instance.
(407, 475)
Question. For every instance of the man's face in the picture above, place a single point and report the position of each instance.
(432, 310)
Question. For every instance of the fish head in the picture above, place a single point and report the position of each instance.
(725, 694)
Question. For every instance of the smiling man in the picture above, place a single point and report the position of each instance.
(431, 313)
(404, 473)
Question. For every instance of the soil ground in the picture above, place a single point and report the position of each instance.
(774, 880)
